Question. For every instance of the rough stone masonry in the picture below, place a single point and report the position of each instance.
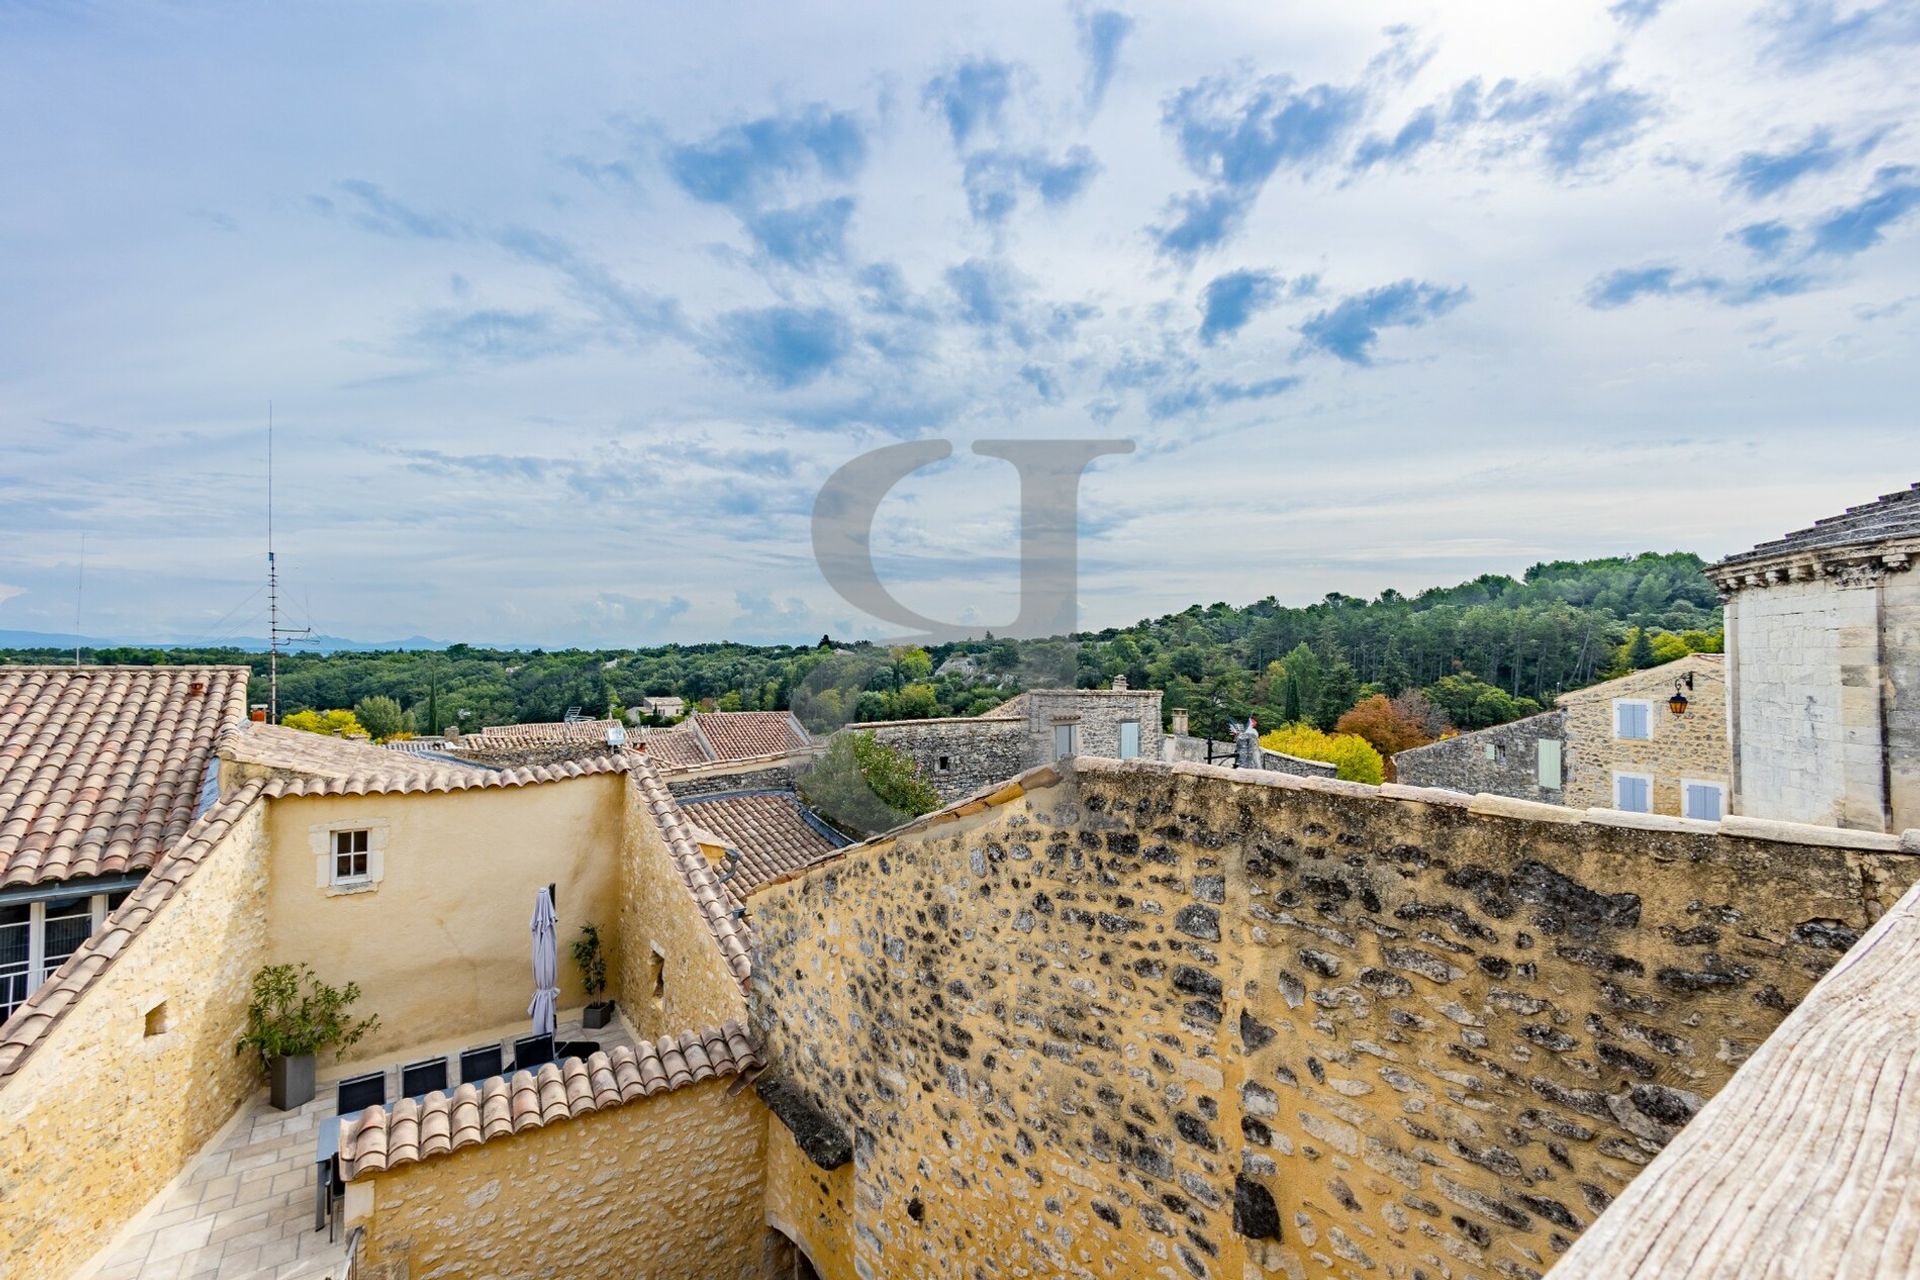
(1130, 1019)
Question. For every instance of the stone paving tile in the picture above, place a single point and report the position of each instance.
(244, 1209)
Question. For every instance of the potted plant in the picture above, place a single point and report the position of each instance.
(593, 977)
(292, 1016)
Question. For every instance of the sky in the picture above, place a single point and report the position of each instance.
(566, 313)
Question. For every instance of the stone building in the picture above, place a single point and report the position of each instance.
(1823, 637)
(1615, 745)
(959, 755)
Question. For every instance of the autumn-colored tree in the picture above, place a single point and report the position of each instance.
(1354, 758)
(336, 723)
(1393, 724)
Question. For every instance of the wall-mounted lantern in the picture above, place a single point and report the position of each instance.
(1678, 702)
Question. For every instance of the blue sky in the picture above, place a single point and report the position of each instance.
(566, 313)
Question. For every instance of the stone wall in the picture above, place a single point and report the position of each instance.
(960, 755)
(713, 780)
(664, 1186)
(1827, 700)
(957, 755)
(1502, 761)
(1693, 747)
(663, 943)
(1176, 1021)
(139, 1073)
(1180, 748)
(1097, 712)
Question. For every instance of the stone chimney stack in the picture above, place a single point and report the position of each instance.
(1120, 683)
(1180, 722)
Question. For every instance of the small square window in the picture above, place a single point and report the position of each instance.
(945, 765)
(350, 862)
(156, 1020)
(1632, 718)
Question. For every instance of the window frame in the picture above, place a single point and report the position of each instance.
(363, 854)
(1646, 710)
(1124, 726)
(37, 970)
(1072, 731)
(1686, 788)
(1620, 775)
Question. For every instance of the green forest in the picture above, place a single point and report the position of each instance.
(1482, 652)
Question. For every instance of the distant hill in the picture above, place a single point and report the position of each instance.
(244, 644)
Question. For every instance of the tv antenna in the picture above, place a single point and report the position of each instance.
(79, 581)
(275, 632)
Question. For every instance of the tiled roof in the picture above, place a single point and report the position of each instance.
(101, 767)
(737, 735)
(32, 1021)
(541, 734)
(729, 934)
(337, 766)
(673, 747)
(1895, 515)
(770, 830)
(442, 1123)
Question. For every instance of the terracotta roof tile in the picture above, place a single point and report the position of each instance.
(31, 1022)
(671, 747)
(740, 735)
(101, 768)
(709, 897)
(770, 829)
(337, 766)
(378, 1139)
(542, 734)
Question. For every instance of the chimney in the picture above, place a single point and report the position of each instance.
(1180, 722)
(257, 713)
(1120, 683)
(197, 688)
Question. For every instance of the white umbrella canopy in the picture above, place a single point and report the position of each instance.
(546, 965)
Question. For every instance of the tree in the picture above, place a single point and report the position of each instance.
(1338, 689)
(862, 785)
(337, 724)
(1387, 724)
(382, 717)
(1355, 759)
(1471, 703)
(1639, 652)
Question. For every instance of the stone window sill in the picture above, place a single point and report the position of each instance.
(352, 887)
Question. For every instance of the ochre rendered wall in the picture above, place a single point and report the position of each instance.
(102, 1115)
(440, 945)
(658, 918)
(1157, 1021)
(664, 1187)
(809, 1205)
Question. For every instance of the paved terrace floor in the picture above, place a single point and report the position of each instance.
(243, 1207)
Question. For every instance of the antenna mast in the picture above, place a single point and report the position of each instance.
(79, 581)
(274, 630)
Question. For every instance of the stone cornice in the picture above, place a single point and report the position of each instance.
(1855, 566)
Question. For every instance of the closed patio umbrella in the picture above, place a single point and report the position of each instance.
(546, 942)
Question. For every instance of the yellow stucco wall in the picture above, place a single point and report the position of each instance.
(809, 1205)
(102, 1115)
(1693, 747)
(658, 917)
(440, 946)
(667, 1188)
